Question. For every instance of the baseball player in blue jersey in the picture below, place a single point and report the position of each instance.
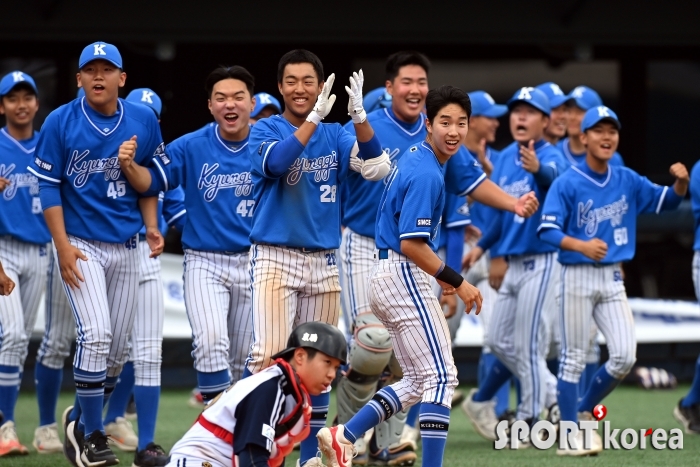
(687, 412)
(76, 160)
(519, 327)
(483, 124)
(141, 374)
(265, 106)
(298, 167)
(213, 167)
(257, 421)
(24, 240)
(559, 114)
(401, 296)
(580, 100)
(590, 213)
(399, 127)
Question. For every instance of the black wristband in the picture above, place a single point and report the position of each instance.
(450, 276)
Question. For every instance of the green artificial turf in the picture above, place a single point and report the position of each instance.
(628, 407)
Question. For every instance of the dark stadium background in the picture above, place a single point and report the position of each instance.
(642, 56)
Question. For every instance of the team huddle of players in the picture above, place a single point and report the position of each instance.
(283, 217)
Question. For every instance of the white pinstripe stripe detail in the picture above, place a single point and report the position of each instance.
(264, 161)
(176, 216)
(473, 186)
(42, 176)
(415, 234)
(661, 200)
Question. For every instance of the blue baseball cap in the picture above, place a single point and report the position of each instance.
(599, 114)
(15, 78)
(483, 105)
(376, 99)
(554, 93)
(531, 96)
(147, 97)
(100, 51)
(262, 100)
(585, 97)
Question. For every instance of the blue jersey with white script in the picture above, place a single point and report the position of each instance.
(413, 200)
(301, 208)
(361, 197)
(78, 150)
(695, 201)
(20, 209)
(575, 159)
(585, 205)
(215, 175)
(455, 214)
(518, 235)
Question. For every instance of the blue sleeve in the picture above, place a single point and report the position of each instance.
(264, 138)
(463, 173)
(552, 236)
(257, 411)
(493, 231)
(454, 247)
(654, 198)
(346, 142)
(174, 211)
(279, 156)
(552, 165)
(695, 191)
(49, 194)
(169, 166)
(420, 197)
(554, 209)
(546, 175)
(370, 149)
(49, 159)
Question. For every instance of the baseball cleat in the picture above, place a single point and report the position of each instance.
(96, 452)
(410, 435)
(121, 434)
(457, 399)
(9, 442)
(401, 455)
(68, 448)
(482, 415)
(338, 450)
(689, 417)
(361, 452)
(577, 449)
(46, 439)
(153, 456)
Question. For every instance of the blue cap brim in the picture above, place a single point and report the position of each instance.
(20, 83)
(118, 65)
(556, 101)
(495, 111)
(513, 102)
(612, 120)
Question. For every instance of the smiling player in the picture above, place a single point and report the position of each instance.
(24, 250)
(93, 215)
(400, 292)
(591, 214)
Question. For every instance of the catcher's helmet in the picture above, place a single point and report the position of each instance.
(320, 336)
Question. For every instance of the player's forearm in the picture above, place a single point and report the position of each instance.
(571, 244)
(149, 212)
(56, 224)
(681, 187)
(363, 131)
(305, 132)
(139, 177)
(492, 195)
(420, 253)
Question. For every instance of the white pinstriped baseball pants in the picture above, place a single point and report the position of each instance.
(26, 264)
(146, 342)
(401, 296)
(290, 287)
(595, 293)
(105, 304)
(217, 299)
(357, 258)
(519, 329)
(59, 328)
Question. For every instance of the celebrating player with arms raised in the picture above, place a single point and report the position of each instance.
(298, 166)
(591, 214)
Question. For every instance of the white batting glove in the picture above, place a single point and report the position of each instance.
(355, 107)
(324, 102)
